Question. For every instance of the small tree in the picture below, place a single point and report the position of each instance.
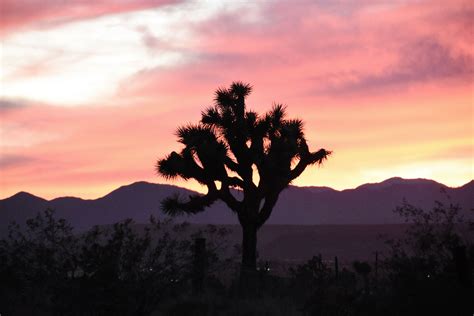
(226, 148)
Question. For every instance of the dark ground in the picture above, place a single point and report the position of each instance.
(298, 243)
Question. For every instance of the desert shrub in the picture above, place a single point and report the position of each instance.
(120, 270)
(316, 290)
(430, 269)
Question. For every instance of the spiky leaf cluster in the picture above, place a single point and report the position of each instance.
(228, 145)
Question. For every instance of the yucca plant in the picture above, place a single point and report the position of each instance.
(226, 148)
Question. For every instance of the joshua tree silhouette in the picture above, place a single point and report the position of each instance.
(226, 148)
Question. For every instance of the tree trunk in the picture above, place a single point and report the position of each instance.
(248, 269)
(249, 247)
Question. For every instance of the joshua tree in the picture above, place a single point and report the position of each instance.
(226, 148)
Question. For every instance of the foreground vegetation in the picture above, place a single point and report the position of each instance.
(46, 269)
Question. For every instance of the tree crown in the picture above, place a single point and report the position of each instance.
(228, 145)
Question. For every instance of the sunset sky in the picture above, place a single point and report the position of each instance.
(92, 91)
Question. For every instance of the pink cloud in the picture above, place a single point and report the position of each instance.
(19, 15)
(323, 49)
(89, 144)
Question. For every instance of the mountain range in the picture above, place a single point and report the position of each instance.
(371, 203)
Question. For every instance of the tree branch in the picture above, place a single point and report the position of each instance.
(234, 182)
(308, 159)
(229, 199)
(175, 205)
(231, 164)
(266, 210)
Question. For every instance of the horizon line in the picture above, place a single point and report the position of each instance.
(181, 187)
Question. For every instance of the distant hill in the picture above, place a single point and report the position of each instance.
(371, 203)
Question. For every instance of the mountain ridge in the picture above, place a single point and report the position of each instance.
(392, 180)
(371, 203)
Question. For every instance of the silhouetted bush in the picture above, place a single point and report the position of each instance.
(117, 270)
(430, 270)
(318, 291)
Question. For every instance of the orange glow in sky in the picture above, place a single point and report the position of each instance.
(91, 92)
